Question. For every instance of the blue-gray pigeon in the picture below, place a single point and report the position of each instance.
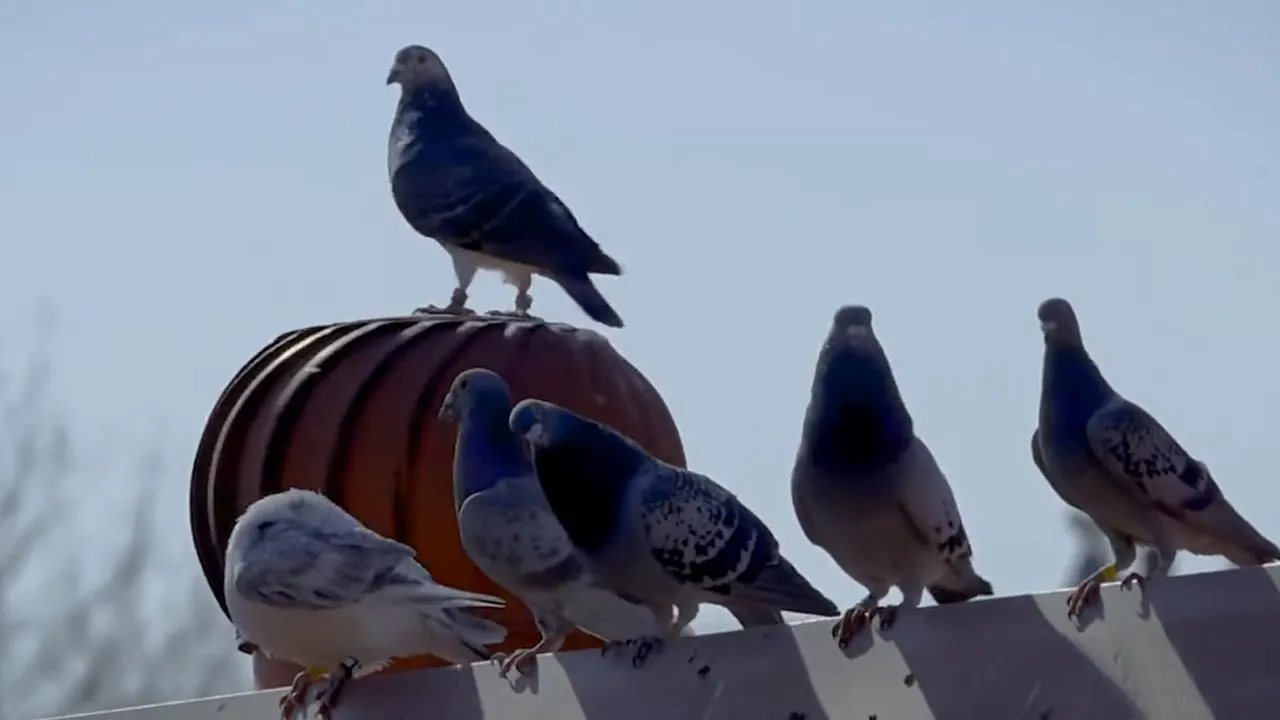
(455, 183)
(867, 490)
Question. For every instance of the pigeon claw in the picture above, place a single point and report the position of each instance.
(518, 660)
(296, 697)
(645, 647)
(855, 619)
(517, 314)
(1133, 578)
(461, 310)
(1087, 593)
(888, 616)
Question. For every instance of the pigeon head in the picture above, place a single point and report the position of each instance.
(417, 67)
(1058, 322)
(477, 394)
(852, 365)
(546, 425)
(559, 435)
(282, 512)
(584, 468)
(1070, 377)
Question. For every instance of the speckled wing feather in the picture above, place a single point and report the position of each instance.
(323, 569)
(930, 506)
(1135, 449)
(703, 535)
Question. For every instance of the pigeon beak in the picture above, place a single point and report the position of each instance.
(534, 434)
(1047, 326)
(857, 332)
(394, 75)
(447, 412)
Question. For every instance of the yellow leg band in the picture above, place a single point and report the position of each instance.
(1110, 573)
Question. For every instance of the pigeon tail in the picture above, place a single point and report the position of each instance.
(958, 587)
(750, 616)
(584, 292)
(782, 587)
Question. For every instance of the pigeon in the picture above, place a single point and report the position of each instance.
(1112, 460)
(656, 533)
(309, 584)
(455, 183)
(867, 490)
(509, 531)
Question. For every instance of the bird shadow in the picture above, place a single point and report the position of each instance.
(450, 692)
(759, 672)
(1011, 657)
(1223, 628)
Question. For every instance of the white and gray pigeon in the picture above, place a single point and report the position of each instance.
(656, 533)
(867, 490)
(309, 584)
(455, 183)
(1110, 459)
(509, 531)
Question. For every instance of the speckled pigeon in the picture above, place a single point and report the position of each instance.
(656, 533)
(1110, 459)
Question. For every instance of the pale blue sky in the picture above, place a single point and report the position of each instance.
(182, 183)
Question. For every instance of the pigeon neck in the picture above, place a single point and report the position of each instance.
(490, 452)
(859, 422)
(585, 482)
(1073, 381)
(439, 100)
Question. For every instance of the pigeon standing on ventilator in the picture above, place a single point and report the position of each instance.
(455, 183)
(309, 584)
(1112, 460)
(867, 490)
(655, 533)
(510, 532)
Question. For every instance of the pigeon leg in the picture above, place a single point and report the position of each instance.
(1164, 563)
(1088, 591)
(457, 306)
(910, 601)
(524, 301)
(856, 618)
(464, 268)
(520, 660)
(337, 682)
(685, 615)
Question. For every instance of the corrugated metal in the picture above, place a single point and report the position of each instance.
(349, 409)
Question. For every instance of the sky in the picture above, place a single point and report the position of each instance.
(180, 183)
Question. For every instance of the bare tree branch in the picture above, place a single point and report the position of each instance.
(79, 647)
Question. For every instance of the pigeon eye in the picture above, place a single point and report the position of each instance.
(266, 525)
